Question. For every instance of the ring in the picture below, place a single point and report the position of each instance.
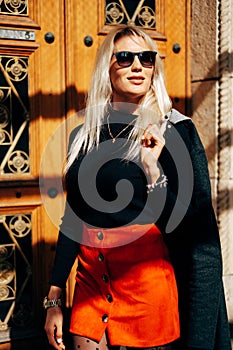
(150, 143)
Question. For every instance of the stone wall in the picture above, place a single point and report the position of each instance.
(212, 110)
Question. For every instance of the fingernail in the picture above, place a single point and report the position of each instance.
(59, 340)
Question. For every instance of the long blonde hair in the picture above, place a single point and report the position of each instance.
(155, 102)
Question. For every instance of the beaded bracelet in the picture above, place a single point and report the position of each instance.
(161, 183)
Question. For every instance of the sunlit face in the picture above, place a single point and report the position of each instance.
(130, 84)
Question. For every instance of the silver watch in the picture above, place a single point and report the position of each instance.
(47, 303)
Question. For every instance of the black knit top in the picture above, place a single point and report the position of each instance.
(104, 190)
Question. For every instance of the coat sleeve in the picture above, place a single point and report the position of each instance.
(194, 243)
(188, 192)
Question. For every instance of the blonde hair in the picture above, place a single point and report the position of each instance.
(156, 102)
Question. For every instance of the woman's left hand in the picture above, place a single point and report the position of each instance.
(152, 144)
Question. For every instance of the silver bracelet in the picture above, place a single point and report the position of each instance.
(47, 303)
(161, 183)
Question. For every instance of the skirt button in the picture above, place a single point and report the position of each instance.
(105, 278)
(100, 257)
(105, 318)
(109, 298)
(100, 235)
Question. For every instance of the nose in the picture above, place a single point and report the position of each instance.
(136, 65)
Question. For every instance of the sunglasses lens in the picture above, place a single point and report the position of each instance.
(147, 58)
(124, 58)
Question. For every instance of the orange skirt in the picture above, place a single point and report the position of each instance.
(128, 290)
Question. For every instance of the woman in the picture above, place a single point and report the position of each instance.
(137, 178)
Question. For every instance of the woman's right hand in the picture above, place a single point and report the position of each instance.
(152, 144)
(53, 327)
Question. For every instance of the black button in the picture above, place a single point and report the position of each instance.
(100, 235)
(105, 318)
(109, 298)
(101, 257)
(105, 278)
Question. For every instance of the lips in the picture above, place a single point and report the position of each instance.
(136, 79)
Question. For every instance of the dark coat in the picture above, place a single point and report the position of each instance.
(193, 238)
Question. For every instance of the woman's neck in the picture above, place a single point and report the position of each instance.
(125, 107)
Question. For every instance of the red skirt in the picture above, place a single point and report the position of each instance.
(128, 290)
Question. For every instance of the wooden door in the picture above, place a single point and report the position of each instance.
(168, 22)
(47, 51)
(32, 105)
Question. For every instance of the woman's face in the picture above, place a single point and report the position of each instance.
(130, 84)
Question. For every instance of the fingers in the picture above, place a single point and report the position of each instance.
(149, 141)
(53, 328)
(152, 137)
(152, 144)
(58, 339)
(60, 343)
(55, 340)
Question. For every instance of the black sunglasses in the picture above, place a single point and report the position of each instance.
(126, 58)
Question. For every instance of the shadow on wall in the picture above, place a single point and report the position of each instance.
(222, 67)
